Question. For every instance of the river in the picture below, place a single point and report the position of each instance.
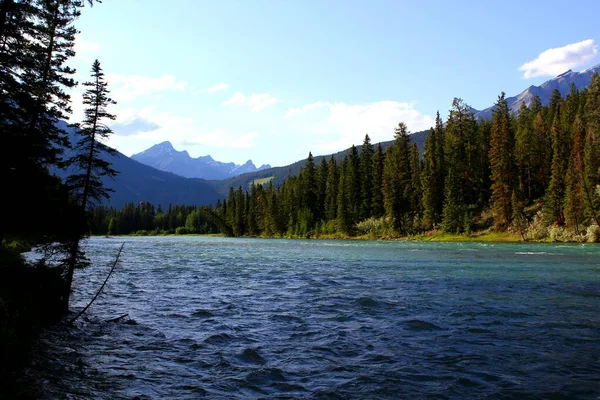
(223, 318)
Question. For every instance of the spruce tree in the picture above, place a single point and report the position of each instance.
(553, 206)
(429, 187)
(460, 135)
(415, 186)
(574, 193)
(591, 181)
(502, 164)
(366, 179)
(397, 182)
(377, 179)
(331, 190)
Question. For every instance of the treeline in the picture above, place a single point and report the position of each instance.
(146, 219)
(536, 174)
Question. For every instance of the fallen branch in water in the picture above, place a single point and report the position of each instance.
(118, 318)
(101, 287)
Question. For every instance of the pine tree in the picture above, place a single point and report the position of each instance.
(553, 206)
(322, 189)
(415, 186)
(352, 182)
(524, 153)
(86, 184)
(429, 187)
(343, 221)
(459, 191)
(331, 190)
(502, 164)
(591, 181)
(574, 194)
(397, 182)
(366, 176)
(377, 179)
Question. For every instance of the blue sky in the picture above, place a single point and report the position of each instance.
(272, 80)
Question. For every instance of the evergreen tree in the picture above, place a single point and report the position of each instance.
(322, 189)
(86, 184)
(88, 151)
(502, 164)
(377, 179)
(460, 191)
(331, 190)
(415, 186)
(574, 196)
(343, 222)
(352, 182)
(366, 179)
(553, 206)
(524, 153)
(429, 187)
(591, 181)
(397, 182)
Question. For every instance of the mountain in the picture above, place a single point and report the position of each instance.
(279, 174)
(138, 182)
(164, 157)
(562, 82)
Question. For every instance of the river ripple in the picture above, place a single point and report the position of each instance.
(250, 318)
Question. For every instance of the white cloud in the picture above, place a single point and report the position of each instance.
(86, 51)
(128, 87)
(214, 88)
(555, 61)
(256, 102)
(345, 124)
(221, 138)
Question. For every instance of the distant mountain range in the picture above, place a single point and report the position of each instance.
(164, 157)
(147, 178)
(138, 182)
(562, 82)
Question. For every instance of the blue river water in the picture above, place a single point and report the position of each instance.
(223, 318)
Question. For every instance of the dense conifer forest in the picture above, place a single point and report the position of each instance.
(535, 175)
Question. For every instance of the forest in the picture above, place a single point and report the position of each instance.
(535, 175)
(46, 213)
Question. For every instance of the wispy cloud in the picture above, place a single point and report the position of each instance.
(344, 124)
(222, 138)
(134, 126)
(128, 87)
(256, 102)
(555, 61)
(214, 88)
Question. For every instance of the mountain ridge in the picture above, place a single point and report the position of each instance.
(561, 82)
(165, 157)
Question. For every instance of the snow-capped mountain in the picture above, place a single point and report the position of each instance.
(164, 157)
(562, 82)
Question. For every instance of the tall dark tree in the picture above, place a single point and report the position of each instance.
(460, 137)
(591, 181)
(396, 181)
(555, 194)
(88, 157)
(331, 190)
(377, 209)
(502, 164)
(366, 179)
(415, 185)
(574, 193)
(352, 182)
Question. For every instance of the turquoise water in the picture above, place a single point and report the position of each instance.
(251, 318)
